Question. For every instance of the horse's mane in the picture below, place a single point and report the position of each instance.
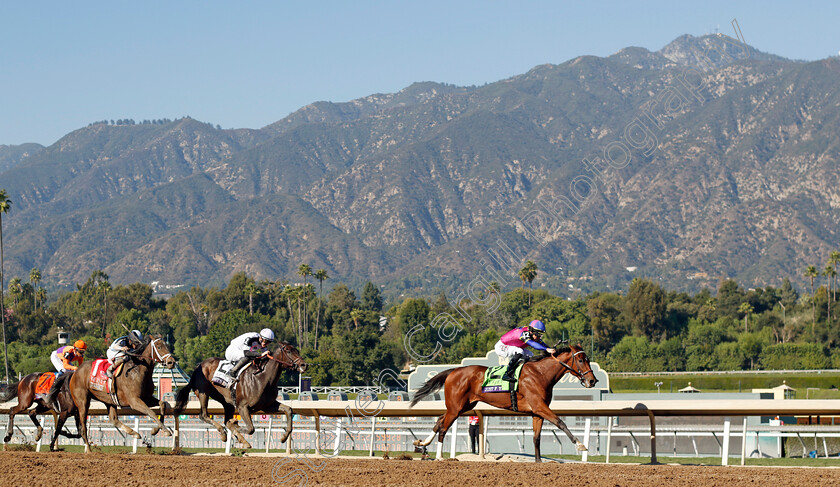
(557, 351)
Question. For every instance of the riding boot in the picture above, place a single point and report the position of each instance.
(117, 361)
(236, 368)
(512, 364)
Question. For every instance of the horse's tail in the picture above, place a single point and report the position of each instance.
(430, 386)
(183, 396)
(11, 393)
(56, 387)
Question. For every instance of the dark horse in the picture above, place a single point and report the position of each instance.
(255, 391)
(25, 392)
(135, 387)
(462, 391)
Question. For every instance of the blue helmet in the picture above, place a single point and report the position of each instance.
(537, 325)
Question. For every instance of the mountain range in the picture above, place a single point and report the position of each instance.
(722, 163)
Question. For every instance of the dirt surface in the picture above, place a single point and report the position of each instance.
(27, 468)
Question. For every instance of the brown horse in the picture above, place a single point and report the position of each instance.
(25, 392)
(135, 387)
(462, 391)
(255, 391)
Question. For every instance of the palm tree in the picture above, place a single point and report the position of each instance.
(356, 314)
(15, 290)
(105, 287)
(829, 272)
(250, 290)
(834, 260)
(528, 273)
(5, 206)
(305, 270)
(746, 309)
(41, 293)
(493, 288)
(35, 278)
(811, 272)
(322, 276)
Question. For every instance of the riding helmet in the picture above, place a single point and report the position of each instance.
(80, 344)
(267, 335)
(537, 325)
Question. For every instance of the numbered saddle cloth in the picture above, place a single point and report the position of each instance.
(220, 376)
(45, 382)
(98, 380)
(493, 381)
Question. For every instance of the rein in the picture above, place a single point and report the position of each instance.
(288, 365)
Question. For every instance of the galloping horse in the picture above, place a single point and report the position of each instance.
(462, 391)
(25, 392)
(255, 391)
(134, 387)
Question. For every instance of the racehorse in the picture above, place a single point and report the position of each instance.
(462, 391)
(256, 390)
(25, 392)
(134, 387)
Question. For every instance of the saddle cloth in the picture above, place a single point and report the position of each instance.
(45, 382)
(493, 381)
(98, 380)
(221, 377)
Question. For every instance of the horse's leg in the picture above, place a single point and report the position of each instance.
(33, 415)
(538, 423)
(202, 414)
(154, 402)
(288, 412)
(139, 405)
(21, 406)
(429, 438)
(541, 409)
(112, 415)
(82, 404)
(249, 425)
(233, 425)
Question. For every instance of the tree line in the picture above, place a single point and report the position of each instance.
(348, 339)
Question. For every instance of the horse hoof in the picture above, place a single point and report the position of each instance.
(580, 447)
(166, 432)
(7, 438)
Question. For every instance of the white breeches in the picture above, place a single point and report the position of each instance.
(503, 350)
(113, 354)
(234, 353)
(56, 361)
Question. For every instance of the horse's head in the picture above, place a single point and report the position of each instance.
(160, 352)
(576, 361)
(289, 357)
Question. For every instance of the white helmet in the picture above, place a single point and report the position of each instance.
(137, 335)
(267, 335)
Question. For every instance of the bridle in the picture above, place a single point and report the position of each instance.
(289, 363)
(574, 370)
(156, 356)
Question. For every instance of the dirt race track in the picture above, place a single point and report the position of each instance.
(27, 468)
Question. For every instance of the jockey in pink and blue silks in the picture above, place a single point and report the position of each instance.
(513, 343)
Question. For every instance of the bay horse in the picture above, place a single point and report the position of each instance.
(134, 387)
(256, 390)
(462, 391)
(24, 390)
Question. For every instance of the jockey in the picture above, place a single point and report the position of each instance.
(247, 346)
(116, 353)
(512, 345)
(63, 357)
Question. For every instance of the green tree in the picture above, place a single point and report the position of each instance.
(356, 315)
(5, 206)
(645, 308)
(250, 291)
(834, 260)
(527, 274)
(15, 290)
(305, 270)
(371, 298)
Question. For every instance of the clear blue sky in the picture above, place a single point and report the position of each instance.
(248, 64)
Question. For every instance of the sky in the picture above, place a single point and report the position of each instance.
(64, 64)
